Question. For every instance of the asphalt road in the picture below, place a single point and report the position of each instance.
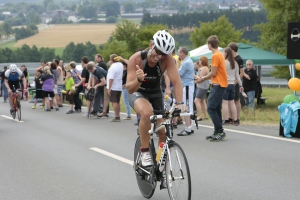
(49, 156)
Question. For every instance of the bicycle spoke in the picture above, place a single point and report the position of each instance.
(178, 175)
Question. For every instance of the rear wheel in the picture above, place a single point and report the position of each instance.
(146, 183)
(178, 173)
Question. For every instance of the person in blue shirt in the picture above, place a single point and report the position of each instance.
(186, 72)
(12, 77)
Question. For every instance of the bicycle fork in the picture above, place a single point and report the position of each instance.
(166, 152)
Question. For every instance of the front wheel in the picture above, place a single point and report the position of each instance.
(15, 107)
(145, 182)
(19, 110)
(178, 174)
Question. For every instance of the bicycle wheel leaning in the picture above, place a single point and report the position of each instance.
(146, 184)
(178, 173)
(18, 108)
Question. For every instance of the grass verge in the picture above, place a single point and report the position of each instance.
(9, 45)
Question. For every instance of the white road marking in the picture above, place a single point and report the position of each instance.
(7, 117)
(256, 134)
(119, 158)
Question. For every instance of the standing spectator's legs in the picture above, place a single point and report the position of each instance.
(4, 92)
(97, 100)
(125, 98)
(77, 100)
(105, 101)
(251, 95)
(115, 100)
(214, 107)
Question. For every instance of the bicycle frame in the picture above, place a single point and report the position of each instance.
(169, 135)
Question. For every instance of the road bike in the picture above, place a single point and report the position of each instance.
(172, 169)
(16, 104)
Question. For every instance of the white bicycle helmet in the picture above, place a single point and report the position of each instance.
(13, 68)
(164, 41)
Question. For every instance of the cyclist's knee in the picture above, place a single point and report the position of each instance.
(145, 114)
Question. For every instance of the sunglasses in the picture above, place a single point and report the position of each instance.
(248, 64)
(159, 52)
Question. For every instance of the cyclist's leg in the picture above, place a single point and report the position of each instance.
(143, 107)
(10, 101)
(157, 104)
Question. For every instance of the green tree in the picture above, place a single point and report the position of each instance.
(274, 32)
(128, 7)
(90, 50)
(7, 53)
(34, 54)
(114, 46)
(221, 28)
(68, 52)
(52, 6)
(78, 52)
(82, 11)
(112, 8)
(127, 32)
(6, 29)
(46, 54)
(146, 32)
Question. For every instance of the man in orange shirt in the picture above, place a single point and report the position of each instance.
(219, 81)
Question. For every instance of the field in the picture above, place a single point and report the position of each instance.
(61, 35)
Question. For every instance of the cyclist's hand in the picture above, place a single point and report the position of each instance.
(9, 91)
(140, 73)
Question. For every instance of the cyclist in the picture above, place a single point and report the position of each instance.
(145, 69)
(13, 76)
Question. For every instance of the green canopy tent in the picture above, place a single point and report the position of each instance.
(258, 56)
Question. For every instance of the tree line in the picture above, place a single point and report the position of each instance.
(241, 19)
(26, 54)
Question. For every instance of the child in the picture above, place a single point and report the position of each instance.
(38, 89)
(69, 82)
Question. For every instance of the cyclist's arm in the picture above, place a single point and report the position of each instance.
(132, 84)
(167, 82)
(174, 78)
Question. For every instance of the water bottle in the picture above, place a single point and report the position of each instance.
(159, 151)
(168, 99)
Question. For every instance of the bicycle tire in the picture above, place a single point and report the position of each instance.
(19, 110)
(145, 187)
(174, 185)
(14, 108)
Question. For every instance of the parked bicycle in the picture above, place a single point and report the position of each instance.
(172, 169)
(16, 104)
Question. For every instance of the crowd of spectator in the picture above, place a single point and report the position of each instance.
(56, 82)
